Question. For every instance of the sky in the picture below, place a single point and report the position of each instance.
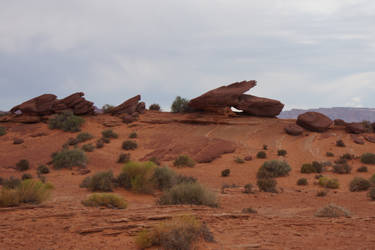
(307, 54)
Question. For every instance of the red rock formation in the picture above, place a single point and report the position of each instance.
(355, 128)
(220, 99)
(339, 122)
(358, 140)
(314, 121)
(127, 107)
(41, 105)
(293, 129)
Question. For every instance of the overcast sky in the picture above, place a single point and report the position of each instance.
(305, 53)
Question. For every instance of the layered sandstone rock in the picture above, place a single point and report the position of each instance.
(129, 107)
(314, 121)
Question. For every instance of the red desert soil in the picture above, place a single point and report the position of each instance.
(284, 220)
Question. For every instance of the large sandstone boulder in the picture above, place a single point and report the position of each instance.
(293, 129)
(220, 99)
(339, 122)
(41, 105)
(355, 128)
(127, 107)
(314, 121)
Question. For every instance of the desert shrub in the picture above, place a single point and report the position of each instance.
(274, 168)
(371, 193)
(340, 143)
(307, 168)
(321, 193)
(9, 198)
(347, 156)
(164, 178)
(26, 177)
(261, 155)
(42, 169)
(372, 179)
(72, 141)
(330, 154)
(11, 183)
(248, 188)
(265, 147)
(138, 176)
(99, 143)
(84, 136)
(281, 152)
(342, 168)
(155, 160)
(105, 200)
(129, 145)
(329, 183)
(105, 140)
(225, 172)
(249, 210)
(267, 185)
(133, 135)
(185, 179)
(184, 161)
(302, 182)
(359, 184)
(368, 158)
(108, 133)
(188, 193)
(180, 105)
(69, 159)
(123, 158)
(239, 160)
(23, 165)
(3, 130)
(318, 176)
(178, 233)
(332, 211)
(102, 181)
(88, 147)
(154, 106)
(107, 108)
(66, 121)
(362, 169)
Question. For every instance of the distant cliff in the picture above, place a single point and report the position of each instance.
(347, 114)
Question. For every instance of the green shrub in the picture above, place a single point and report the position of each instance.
(9, 198)
(340, 143)
(23, 165)
(184, 161)
(371, 193)
(107, 108)
(341, 161)
(180, 105)
(332, 211)
(88, 147)
(66, 121)
(102, 181)
(188, 193)
(11, 183)
(249, 210)
(69, 159)
(302, 182)
(347, 156)
(274, 168)
(342, 168)
(368, 158)
(239, 160)
(267, 185)
(281, 152)
(248, 189)
(330, 154)
(99, 143)
(123, 158)
(3, 131)
(42, 169)
(26, 177)
(84, 136)
(138, 176)
(307, 168)
(164, 178)
(105, 140)
(225, 172)
(359, 184)
(105, 200)
(329, 183)
(154, 106)
(108, 133)
(261, 155)
(321, 193)
(133, 135)
(129, 145)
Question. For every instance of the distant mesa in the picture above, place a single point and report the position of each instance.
(221, 99)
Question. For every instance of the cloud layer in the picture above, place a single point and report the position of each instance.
(304, 53)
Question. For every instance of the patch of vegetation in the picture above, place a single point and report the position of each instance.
(105, 140)
(129, 145)
(329, 183)
(99, 143)
(225, 172)
(69, 158)
(179, 233)
(3, 130)
(102, 182)
(265, 147)
(108, 133)
(155, 160)
(267, 185)
(184, 161)
(314, 167)
(180, 105)
(249, 210)
(274, 168)
(154, 106)
(105, 200)
(347, 156)
(368, 158)
(138, 177)
(330, 154)
(248, 189)
(11, 183)
(321, 193)
(188, 193)
(332, 211)
(239, 160)
(26, 177)
(362, 169)
(107, 108)
(359, 184)
(123, 158)
(66, 121)
(371, 193)
(23, 165)
(261, 155)
(372, 179)
(302, 182)
(340, 143)
(88, 147)
(164, 178)
(133, 135)
(84, 136)
(342, 168)
(281, 152)
(42, 169)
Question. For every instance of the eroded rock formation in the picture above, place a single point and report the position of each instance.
(293, 129)
(314, 121)
(129, 107)
(220, 99)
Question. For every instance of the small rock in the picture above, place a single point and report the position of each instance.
(18, 141)
(293, 129)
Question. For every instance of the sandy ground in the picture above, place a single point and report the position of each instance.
(284, 220)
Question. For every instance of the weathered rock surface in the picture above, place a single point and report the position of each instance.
(220, 99)
(370, 138)
(127, 107)
(41, 105)
(358, 140)
(355, 128)
(293, 129)
(314, 121)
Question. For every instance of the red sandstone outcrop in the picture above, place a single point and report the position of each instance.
(355, 128)
(314, 121)
(129, 107)
(293, 129)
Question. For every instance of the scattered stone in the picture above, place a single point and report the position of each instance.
(314, 121)
(358, 140)
(18, 141)
(293, 129)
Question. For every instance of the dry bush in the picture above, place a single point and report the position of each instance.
(328, 183)
(69, 158)
(225, 172)
(108, 133)
(274, 168)
(129, 145)
(368, 158)
(332, 211)
(105, 200)
(267, 185)
(359, 184)
(66, 121)
(302, 182)
(138, 177)
(23, 165)
(102, 181)
(261, 155)
(84, 136)
(184, 161)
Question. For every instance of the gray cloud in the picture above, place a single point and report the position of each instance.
(304, 53)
